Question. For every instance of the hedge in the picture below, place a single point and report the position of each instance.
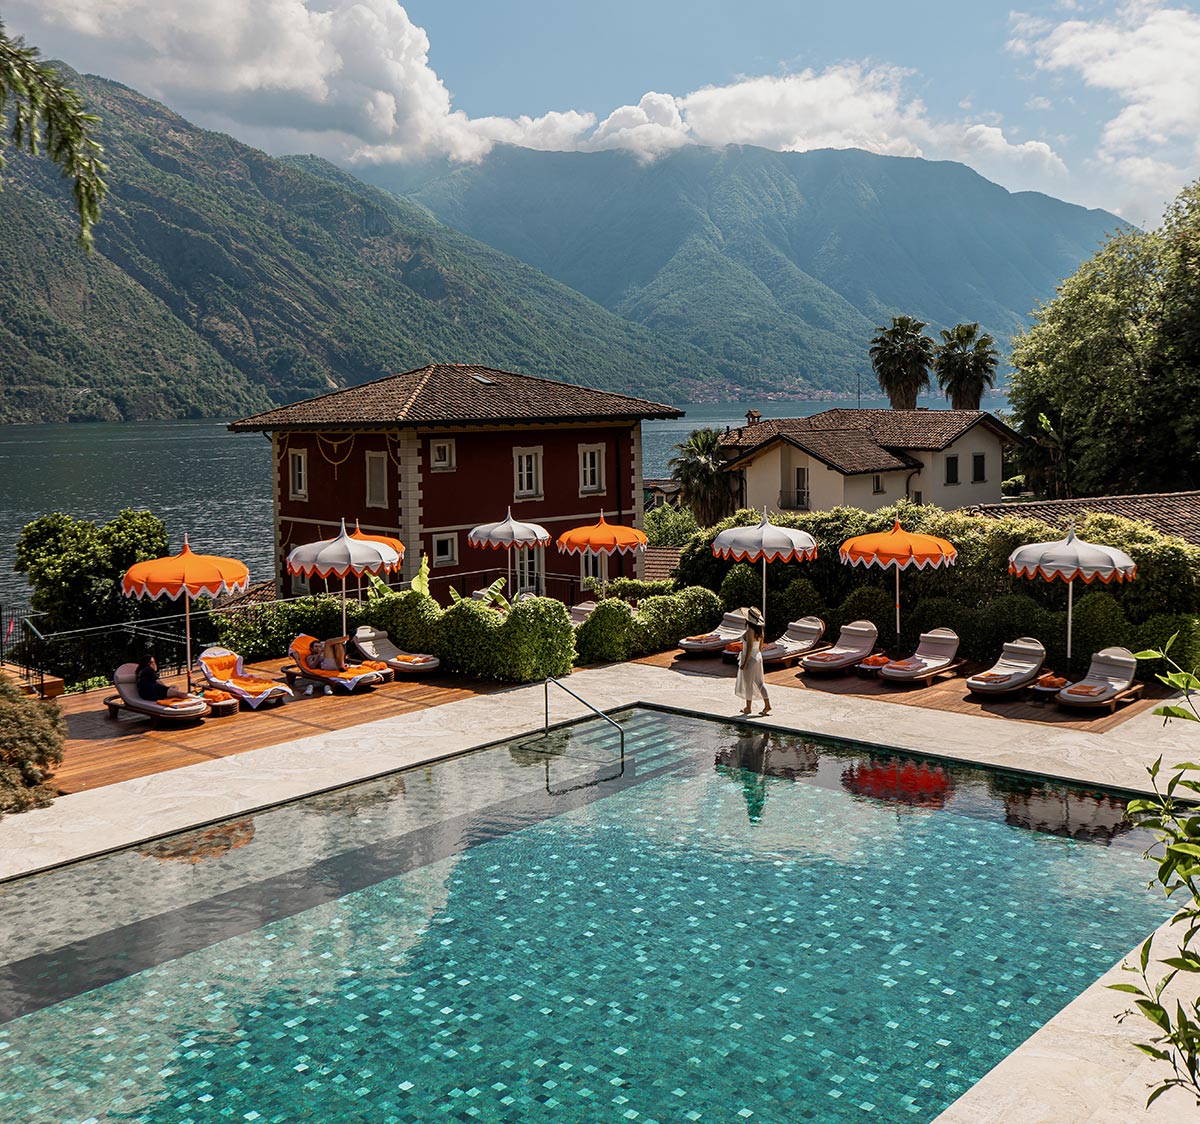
(615, 632)
(31, 745)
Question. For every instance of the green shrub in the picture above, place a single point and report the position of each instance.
(1003, 620)
(867, 603)
(412, 620)
(741, 586)
(470, 639)
(537, 641)
(1098, 623)
(669, 525)
(800, 599)
(265, 631)
(31, 745)
(944, 612)
(699, 611)
(1154, 634)
(633, 589)
(607, 635)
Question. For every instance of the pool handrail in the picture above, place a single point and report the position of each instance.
(598, 713)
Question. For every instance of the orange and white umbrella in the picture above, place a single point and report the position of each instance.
(898, 548)
(602, 538)
(342, 555)
(1068, 560)
(387, 540)
(189, 576)
(766, 543)
(508, 535)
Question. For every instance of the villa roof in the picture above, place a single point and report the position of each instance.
(1170, 513)
(660, 561)
(860, 441)
(455, 394)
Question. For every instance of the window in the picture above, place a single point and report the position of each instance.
(527, 473)
(298, 474)
(529, 570)
(442, 455)
(445, 550)
(978, 468)
(591, 565)
(300, 585)
(591, 469)
(377, 480)
(877, 484)
(952, 468)
(916, 497)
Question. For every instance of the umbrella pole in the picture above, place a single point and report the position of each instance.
(187, 634)
(1070, 608)
(764, 607)
(343, 604)
(897, 603)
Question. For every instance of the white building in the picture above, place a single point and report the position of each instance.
(868, 459)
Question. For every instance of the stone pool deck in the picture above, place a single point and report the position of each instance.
(1079, 1068)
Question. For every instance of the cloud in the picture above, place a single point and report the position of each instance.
(352, 80)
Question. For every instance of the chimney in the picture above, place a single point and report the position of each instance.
(753, 417)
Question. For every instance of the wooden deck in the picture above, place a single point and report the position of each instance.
(948, 694)
(100, 750)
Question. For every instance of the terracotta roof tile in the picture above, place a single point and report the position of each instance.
(1170, 513)
(660, 561)
(454, 394)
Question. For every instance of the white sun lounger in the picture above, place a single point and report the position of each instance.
(224, 670)
(1018, 666)
(732, 627)
(1109, 681)
(127, 698)
(375, 644)
(855, 643)
(937, 652)
(800, 638)
(580, 613)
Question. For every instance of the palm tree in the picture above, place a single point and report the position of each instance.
(901, 356)
(49, 115)
(965, 365)
(699, 470)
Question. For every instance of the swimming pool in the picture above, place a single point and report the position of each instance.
(722, 925)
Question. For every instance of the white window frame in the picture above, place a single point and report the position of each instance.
(952, 458)
(591, 483)
(301, 585)
(877, 488)
(442, 540)
(528, 570)
(534, 489)
(976, 458)
(298, 457)
(443, 454)
(592, 564)
(380, 459)
(917, 497)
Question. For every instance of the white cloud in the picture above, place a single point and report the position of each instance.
(352, 80)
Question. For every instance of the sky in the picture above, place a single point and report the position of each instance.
(1097, 103)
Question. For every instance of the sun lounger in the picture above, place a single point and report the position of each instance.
(375, 645)
(1019, 664)
(936, 654)
(855, 643)
(732, 627)
(224, 670)
(169, 710)
(580, 613)
(800, 638)
(1109, 681)
(356, 675)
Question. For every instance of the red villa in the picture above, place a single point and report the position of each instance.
(431, 453)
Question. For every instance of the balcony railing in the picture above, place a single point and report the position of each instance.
(793, 501)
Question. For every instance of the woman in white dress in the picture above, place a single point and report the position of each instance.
(750, 684)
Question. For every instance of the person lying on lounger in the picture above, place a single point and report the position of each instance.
(148, 685)
(328, 655)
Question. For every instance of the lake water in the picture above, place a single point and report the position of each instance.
(215, 485)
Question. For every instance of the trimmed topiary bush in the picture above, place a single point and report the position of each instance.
(1099, 623)
(866, 604)
(800, 599)
(412, 620)
(632, 589)
(470, 639)
(1006, 619)
(264, 631)
(741, 586)
(1154, 634)
(537, 640)
(607, 635)
(31, 746)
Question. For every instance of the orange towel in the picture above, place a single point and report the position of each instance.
(1086, 689)
(876, 661)
(212, 695)
(825, 657)
(906, 664)
(373, 665)
(992, 676)
(189, 701)
(733, 646)
(413, 659)
(252, 684)
(701, 639)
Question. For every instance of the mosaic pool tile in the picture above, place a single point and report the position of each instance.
(692, 939)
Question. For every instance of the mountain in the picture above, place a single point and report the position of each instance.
(224, 281)
(778, 265)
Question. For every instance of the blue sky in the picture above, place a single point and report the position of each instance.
(1094, 102)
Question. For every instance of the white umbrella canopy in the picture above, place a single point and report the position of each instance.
(341, 555)
(1068, 560)
(508, 535)
(765, 542)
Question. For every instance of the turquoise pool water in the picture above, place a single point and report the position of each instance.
(721, 927)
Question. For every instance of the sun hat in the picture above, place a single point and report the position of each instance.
(754, 616)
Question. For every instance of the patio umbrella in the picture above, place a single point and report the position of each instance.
(341, 555)
(766, 543)
(508, 535)
(189, 576)
(1068, 559)
(602, 538)
(898, 548)
(387, 540)
(915, 783)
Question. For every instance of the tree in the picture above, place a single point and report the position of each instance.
(49, 115)
(965, 365)
(75, 567)
(699, 470)
(669, 525)
(31, 745)
(1112, 364)
(901, 356)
